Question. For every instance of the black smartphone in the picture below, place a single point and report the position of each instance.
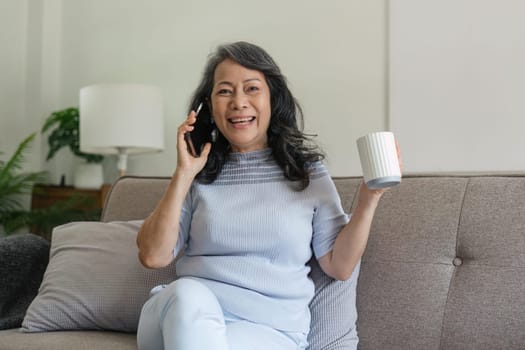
(202, 131)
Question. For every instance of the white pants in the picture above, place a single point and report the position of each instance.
(187, 316)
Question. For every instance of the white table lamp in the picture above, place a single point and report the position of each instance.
(121, 119)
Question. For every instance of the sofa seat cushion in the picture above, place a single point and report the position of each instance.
(14, 339)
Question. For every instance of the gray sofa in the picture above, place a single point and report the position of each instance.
(444, 268)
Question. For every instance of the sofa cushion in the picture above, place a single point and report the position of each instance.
(94, 280)
(408, 264)
(13, 339)
(486, 303)
(333, 311)
(24, 258)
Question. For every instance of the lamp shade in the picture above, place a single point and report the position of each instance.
(121, 118)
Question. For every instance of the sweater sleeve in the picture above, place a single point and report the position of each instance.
(329, 217)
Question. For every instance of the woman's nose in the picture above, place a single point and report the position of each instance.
(239, 101)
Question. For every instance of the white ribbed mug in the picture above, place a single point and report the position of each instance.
(379, 160)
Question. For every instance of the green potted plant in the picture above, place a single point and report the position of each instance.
(14, 184)
(64, 126)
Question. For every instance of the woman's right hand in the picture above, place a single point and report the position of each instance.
(186, 163)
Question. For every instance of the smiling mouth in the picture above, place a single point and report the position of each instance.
(240, 121)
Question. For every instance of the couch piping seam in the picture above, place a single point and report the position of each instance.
(405, 262)
(455, 268)
(439, 263)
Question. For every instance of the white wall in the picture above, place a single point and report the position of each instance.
(457, 73)
(29, 84)
(333, 54)
(13, 19)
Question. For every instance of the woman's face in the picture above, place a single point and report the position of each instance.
(241, 108)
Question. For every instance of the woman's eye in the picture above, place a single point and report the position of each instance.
(253, 88)
(224, 92)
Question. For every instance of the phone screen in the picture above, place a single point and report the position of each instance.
(202, 131)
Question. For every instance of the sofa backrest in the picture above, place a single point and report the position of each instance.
(133, 198)
(444, 266)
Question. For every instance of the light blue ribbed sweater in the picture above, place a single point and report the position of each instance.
(249, 236)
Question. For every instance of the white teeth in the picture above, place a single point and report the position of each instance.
(241, 120)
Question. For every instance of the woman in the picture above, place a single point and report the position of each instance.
(251, 210)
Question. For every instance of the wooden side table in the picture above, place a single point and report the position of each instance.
(64, 204)
(46, 195)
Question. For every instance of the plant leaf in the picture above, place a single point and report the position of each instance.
(66, 125)
(13, 184)
(15, 163)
